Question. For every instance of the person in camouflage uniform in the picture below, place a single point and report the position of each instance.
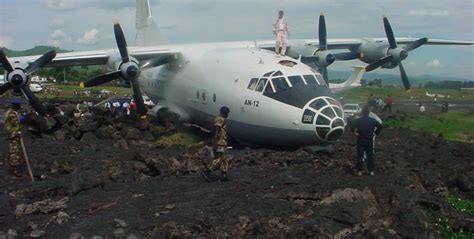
(219, 144)
(12, 128)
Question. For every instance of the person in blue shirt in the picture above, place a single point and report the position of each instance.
(365, 128)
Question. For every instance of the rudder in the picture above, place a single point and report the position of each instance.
(147, 30)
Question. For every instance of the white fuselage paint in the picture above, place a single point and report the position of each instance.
(225, 70)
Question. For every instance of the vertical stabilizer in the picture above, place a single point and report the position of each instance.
(147, 30)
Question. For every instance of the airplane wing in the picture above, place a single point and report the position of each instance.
(350, 43)
(99, 57)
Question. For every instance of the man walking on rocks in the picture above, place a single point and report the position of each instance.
(12, 128)
(219, 144)
(364, 128)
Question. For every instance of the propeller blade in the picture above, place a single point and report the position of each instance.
(416, 44)
(344, 56)
(5, 87)
(40, 62)
(324, 72)
(102, 79)
(155, 62)
(322, 32)
(374, 65)
(405, 81)
(5, 63)
(34, 101)
(138, 98)
(121, 42)
(389, 33)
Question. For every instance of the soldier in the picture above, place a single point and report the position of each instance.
(280, 31)
(12, 127)
(219, 144)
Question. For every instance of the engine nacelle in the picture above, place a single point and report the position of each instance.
(372, 51)
(324, 58)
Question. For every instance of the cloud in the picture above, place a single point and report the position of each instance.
(59, 38)
(435, 63)
(89, 38)
(6, 41)
(57, 22)
(109, 4)
(60, 5)
(426, 13)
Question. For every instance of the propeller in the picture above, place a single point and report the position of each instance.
(128, 70)
(18, 78)
(322, 57)
(395, 55)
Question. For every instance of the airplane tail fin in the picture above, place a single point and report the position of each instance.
(356, 76)
(147, 29)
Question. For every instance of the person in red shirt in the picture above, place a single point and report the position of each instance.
(133, 106)
(388, 103)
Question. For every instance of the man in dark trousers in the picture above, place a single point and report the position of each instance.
(364, 128)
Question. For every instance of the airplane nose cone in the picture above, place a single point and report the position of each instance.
(326, 115)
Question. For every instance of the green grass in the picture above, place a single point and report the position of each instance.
(442, 224)
(398, 93)
(180, 139)
(462, 205)
(458, 126)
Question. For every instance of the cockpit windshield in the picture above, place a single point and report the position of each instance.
(261, 84)
(295, 80)
(311, 80)
(280, 84)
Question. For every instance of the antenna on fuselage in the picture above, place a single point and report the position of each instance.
(256, 45)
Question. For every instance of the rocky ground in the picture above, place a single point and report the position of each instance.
(115, 181)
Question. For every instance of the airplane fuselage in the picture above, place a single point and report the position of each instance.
(209, 76)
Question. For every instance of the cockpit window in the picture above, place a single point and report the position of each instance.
(269, 89)
(261, 84)
(310, 80)
(321, 80)
(280, 84)
(295, 80)
(268, 74)
(278, 73)
(253, 83)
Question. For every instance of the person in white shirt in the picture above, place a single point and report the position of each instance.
(422, 109)
(280, 31)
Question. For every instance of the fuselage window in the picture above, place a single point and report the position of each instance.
(278, 73)
(253, 83)
(197, 95)
(268, 74)
(204, 96)
(321, 80)
(214, 97)
(310, 80)
(280, 84)
(261, 85)
(295, 80)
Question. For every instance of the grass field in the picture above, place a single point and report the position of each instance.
(398, 93)
(458, 126)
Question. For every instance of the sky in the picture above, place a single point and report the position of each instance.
(88, 25)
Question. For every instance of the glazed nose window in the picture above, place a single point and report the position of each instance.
(328, 118)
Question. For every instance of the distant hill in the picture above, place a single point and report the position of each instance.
(37, 50)
(389, 79)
